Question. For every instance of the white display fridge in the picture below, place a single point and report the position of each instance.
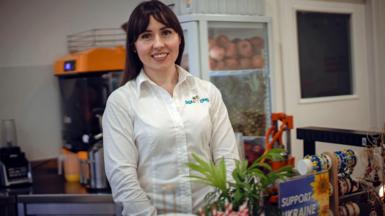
(233, 52)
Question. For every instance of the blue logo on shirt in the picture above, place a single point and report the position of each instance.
(196, 99)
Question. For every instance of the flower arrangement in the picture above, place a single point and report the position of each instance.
(247, 193)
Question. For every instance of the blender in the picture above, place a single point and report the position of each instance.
(14, 166)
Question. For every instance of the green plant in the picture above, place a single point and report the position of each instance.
(250, 183)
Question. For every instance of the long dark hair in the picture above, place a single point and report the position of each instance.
(137, 24)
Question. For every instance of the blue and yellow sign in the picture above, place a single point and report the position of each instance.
(305, 196)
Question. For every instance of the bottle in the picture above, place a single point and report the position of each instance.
(71, 165)
(84, 167)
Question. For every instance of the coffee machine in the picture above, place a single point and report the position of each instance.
(86, 78)
(14, 166)
(83, 98)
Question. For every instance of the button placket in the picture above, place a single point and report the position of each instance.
(171, 104)
(186, 198)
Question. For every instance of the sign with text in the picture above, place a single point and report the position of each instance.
(305, 195)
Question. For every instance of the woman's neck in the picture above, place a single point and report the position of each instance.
(165, 79)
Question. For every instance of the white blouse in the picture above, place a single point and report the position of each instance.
(149, 136)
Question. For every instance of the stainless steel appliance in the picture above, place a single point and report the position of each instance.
(97, 178)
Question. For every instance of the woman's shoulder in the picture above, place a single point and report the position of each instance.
(205, 84)
(123, 93)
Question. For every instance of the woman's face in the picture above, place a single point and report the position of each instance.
(158, 47)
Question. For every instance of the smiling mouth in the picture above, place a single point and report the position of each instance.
(159, 56)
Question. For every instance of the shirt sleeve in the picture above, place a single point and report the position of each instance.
(121, 156)
(223, 142)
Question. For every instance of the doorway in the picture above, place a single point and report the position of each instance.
(348, 104)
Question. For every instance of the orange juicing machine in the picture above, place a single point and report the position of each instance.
(280, 124)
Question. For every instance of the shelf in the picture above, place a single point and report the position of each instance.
(236, 72)
(353, 195)
(310, 135)
(257, 140)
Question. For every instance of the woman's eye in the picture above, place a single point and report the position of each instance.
(146, 36)
(167, 32)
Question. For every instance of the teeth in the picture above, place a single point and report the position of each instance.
(160, 55)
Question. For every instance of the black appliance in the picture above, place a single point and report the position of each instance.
(14, 167)
(83, 98)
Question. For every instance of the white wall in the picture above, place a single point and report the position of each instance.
(376, 41)
(33, 34)
(29, 94)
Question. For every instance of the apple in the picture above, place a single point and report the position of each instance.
(245, 49)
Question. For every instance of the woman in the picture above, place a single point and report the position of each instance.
(159, 117)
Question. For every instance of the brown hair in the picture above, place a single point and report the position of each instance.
(137, 24)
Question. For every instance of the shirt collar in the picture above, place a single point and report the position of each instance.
(141, 78)
(183, 75)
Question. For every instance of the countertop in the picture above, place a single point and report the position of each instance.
(48, 186)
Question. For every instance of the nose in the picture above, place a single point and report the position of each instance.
(158, 41)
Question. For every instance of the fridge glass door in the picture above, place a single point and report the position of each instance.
(190, 60)
(238, 66)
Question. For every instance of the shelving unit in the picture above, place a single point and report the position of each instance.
(233, 52)
(311, 135)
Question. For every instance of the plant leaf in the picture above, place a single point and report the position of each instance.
(212, 174)
(261, 165)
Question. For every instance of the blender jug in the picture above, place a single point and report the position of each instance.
(8, 133)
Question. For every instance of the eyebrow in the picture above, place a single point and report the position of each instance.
(163, 28)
